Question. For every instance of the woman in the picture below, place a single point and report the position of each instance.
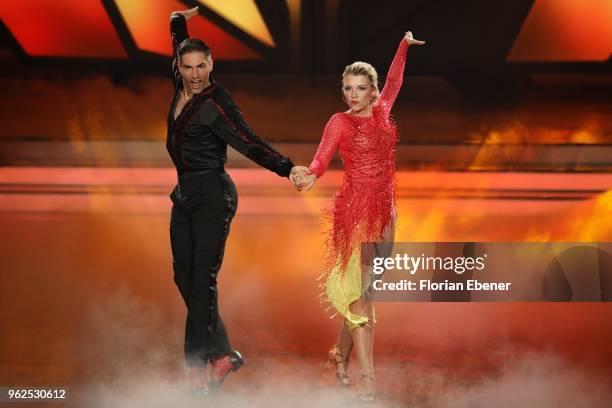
(364, 208)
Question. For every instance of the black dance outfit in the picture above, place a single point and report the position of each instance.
(205, 200)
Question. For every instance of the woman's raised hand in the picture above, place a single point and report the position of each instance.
(186, 13)
(410, 40)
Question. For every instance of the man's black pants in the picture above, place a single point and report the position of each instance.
(204, 204)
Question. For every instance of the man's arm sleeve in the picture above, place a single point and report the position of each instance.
(231, 127)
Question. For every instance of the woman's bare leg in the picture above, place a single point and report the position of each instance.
(345, 343)
(340, 354)
(363, 336)
(363, 342)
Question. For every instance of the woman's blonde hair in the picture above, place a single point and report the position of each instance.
(367, 70)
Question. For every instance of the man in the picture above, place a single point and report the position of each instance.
(202, 120)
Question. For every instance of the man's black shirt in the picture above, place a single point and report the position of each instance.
(198, 138)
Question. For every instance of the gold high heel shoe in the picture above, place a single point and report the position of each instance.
(368, 397)
(336, 359)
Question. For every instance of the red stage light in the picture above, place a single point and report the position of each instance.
(565, 30)
(63, 28)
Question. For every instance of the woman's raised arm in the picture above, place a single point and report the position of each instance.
(395, 76)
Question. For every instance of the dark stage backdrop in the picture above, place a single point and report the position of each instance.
(509, 72)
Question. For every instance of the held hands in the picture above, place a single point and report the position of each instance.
(186, 13)
(301, 178)
(307, 182)
(411, 41)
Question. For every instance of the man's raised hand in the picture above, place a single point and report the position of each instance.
(186, 13)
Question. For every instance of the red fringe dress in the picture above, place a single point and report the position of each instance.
(363, 207)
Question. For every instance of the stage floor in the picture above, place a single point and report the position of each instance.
(88, 301)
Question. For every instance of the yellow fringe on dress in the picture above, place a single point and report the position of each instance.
(344, 288)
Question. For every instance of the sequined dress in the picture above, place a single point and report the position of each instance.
(363, 207)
